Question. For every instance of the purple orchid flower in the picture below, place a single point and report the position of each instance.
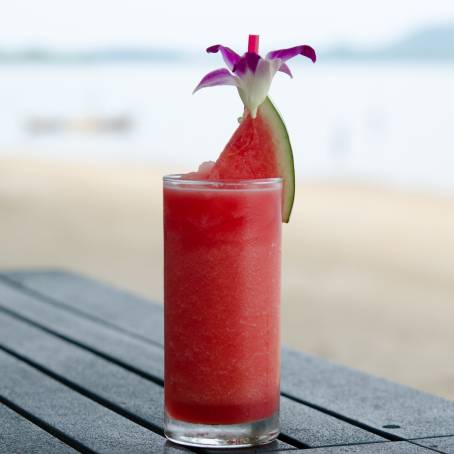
(252, 74)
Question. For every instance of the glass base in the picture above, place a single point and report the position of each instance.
(241, 435)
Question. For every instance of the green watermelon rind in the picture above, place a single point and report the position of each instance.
(284, 155)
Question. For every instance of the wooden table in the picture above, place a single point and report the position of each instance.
(81, 370)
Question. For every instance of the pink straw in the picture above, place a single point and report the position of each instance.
(253, 44)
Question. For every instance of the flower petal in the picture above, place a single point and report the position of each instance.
(230, 57)
(285, 69)
(253, 86)
(286, 54)
(217, 77)
(248, 61)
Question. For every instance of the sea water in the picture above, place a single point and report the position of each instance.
(369, 122)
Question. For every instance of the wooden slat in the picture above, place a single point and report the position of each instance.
(442, 444)
(97, 299)
(275, 447)
(122, 391)
(126, 391)
(356, 396)
(375, 402)
(17, 434)
(401, 447)
(315, 428)
(103, 380)
(86, 422)
(146, 358)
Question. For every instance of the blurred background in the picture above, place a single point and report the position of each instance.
(96, 105)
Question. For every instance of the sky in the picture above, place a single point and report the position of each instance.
(193, 24)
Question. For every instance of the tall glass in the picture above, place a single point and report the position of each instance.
(222, 253)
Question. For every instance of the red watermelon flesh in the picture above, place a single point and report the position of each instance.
(259, 148)
(249, 153)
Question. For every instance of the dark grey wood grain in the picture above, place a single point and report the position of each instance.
(138, 398)
(133, 396)
(314, 428)
(146, 358)
(83, 420)
(143, 399)
(400, 447)
(366, 400)
(441, 444)
(372, 401)
(274, 447)
(18, 435)
(95, 299)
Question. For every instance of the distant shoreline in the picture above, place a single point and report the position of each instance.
(322, 60)
(89, 58)
(425, 45)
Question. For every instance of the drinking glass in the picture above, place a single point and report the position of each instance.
(222, 265)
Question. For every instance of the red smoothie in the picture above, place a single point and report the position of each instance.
(222, 250)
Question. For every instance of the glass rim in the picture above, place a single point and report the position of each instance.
(177, 179)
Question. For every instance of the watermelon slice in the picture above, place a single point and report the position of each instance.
(259, 148)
